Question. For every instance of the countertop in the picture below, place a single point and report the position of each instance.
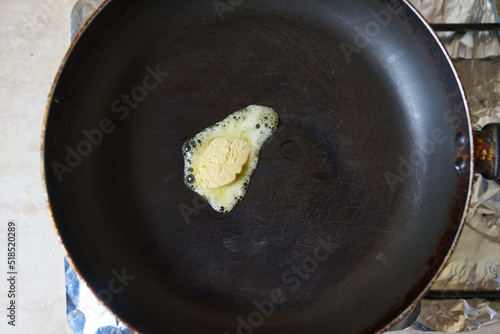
(34, 37)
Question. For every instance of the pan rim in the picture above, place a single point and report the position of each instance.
(74, 42)
(50, 97)
(471, 174)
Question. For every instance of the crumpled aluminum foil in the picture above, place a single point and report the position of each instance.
(82, 10)
(481, 81)
(475, 265)
(470, 45)
(86, 315)
(454, 315)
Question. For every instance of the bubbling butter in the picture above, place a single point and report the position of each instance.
(220, 160)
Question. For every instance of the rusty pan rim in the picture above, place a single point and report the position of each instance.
(446, 260)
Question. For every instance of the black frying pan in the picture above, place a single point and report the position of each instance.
(358, 197)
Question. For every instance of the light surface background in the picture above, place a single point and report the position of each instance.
(34, 37)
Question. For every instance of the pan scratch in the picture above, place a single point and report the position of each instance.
(305, 90)
(371, 228)
(391, 243)
(326, 202)
(216, 88)
(202, 244)
(352, 249)
(352, 184)
(355, 213)
(283, 231)
(335, 203)
(271, 221)
(305, 246)
(236, 243)
(303, 150)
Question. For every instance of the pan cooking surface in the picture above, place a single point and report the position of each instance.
(355, 201)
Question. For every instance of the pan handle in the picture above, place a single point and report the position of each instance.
(486, 159)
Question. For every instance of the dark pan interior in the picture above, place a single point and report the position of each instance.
(356, 200)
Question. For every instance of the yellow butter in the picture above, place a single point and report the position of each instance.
(219, 160)
(222, 161)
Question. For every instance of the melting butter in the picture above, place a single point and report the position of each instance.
(220, 160)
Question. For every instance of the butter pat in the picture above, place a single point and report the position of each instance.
(220, 160)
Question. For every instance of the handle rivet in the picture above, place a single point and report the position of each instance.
(460, 164)
(461, 140)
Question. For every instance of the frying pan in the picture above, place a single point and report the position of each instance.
(358, 197)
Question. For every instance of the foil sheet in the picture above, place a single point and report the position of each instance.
(82, 10)
(87, 315)
(456, 315)
(469, 45)
(475, 265)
